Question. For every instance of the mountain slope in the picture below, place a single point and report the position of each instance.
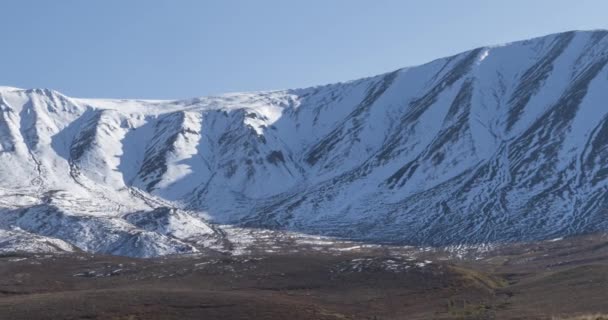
(504, 143)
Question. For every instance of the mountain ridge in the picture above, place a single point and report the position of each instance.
(496, 144)
(491, 46)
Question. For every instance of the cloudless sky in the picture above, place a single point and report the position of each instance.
(166, 49)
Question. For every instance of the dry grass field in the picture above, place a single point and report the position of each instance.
(565, 279)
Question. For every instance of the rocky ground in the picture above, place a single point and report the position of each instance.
(559, 279)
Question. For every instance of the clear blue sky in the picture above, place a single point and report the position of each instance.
(186, 48)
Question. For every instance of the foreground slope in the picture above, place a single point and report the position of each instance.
(548, 280)
(503, 143)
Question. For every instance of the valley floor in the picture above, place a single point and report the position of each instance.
(559, 279)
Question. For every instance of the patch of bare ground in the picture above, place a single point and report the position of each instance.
(553, 280)
(585, 317)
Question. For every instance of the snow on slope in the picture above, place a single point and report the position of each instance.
(16, 240)
(503, 143)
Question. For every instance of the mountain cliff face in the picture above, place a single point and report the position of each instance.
(504, 143)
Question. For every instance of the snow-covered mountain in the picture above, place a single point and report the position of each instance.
(502, 143)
